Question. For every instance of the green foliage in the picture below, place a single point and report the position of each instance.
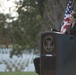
(35, 16)
(26, 30)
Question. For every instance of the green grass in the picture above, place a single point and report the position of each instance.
(18, 73)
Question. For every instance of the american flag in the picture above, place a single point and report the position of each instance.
(69, 9)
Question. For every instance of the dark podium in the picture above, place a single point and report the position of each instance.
(58, 54)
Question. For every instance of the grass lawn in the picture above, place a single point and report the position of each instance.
(18, 73)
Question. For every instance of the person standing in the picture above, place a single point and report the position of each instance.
(71, 28)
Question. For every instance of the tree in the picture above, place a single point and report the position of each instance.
(27, 28)
(54, 13)
(35, 16)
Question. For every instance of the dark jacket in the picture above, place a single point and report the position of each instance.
(71, 30)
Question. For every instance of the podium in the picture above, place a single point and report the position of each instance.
(58, 54)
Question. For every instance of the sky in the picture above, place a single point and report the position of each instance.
(9, 7)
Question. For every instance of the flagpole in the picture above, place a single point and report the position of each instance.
(73, 1)
(72, 5)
